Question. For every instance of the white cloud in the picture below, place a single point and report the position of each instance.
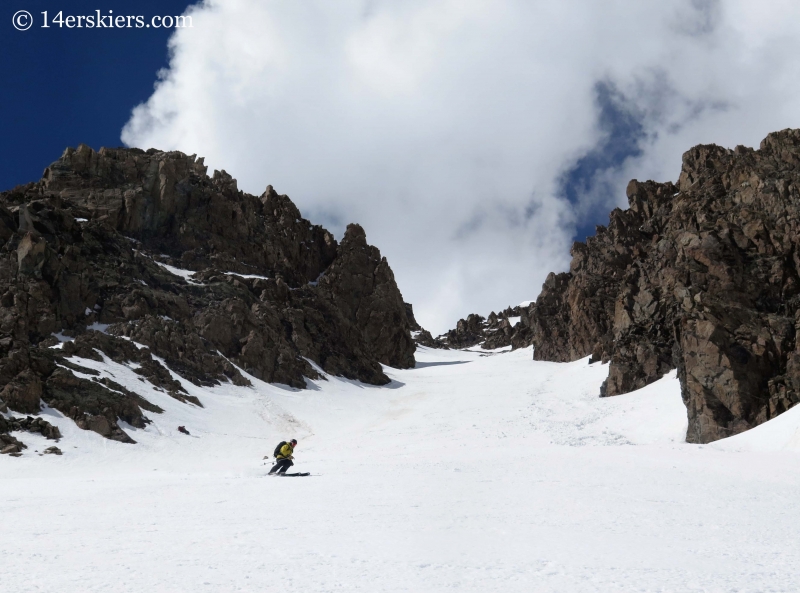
(442, 125)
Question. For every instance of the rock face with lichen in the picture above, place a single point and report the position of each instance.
(122, 246)
(702, 276)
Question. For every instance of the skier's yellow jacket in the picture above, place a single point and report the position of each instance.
(286, 451)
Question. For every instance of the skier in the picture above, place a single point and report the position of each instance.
(284, 457)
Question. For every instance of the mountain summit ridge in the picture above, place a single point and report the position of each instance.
(124, 245)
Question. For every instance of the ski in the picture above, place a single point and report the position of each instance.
(293, 475)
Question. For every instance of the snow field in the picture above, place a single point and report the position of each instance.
(472, 472)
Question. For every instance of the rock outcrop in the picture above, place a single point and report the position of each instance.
(702, 276)
(511, 327)
(124, 245)
(30, 424)
(361, 285)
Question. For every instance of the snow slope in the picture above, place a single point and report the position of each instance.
(472, 472)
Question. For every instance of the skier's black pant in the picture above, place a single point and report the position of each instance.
(281, 466)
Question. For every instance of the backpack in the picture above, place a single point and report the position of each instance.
(278, 448)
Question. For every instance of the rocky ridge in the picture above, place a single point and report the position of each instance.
(123, 245)
(702, 276)
(510, 327)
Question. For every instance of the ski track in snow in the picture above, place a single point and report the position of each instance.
(474, 472)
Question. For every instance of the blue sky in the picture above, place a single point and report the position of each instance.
(582, 184)
(63, 87)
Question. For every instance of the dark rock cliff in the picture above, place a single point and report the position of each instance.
(702, 276)
(123, 244)
(510, 327)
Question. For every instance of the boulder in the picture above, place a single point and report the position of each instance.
(11, 446)
(23, 393)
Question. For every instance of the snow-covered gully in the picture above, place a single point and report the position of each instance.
(472, 472)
